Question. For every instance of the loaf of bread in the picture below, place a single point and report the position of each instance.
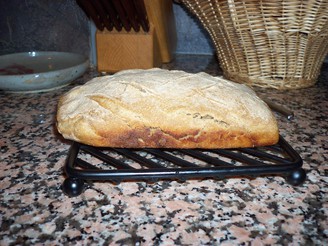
(158, 108)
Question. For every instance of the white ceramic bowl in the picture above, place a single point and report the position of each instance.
(40, 70)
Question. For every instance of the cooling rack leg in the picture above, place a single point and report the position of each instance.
(296, 177)
(73, 186)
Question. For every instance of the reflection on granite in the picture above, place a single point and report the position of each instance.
(238, 211)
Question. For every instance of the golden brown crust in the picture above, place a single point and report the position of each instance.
(165, 109)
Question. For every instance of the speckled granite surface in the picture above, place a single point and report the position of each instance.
(261, 211)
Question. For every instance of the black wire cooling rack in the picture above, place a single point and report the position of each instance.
(87, 163)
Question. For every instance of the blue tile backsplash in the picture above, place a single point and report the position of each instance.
(62, 26)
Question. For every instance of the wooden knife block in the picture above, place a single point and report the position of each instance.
(129, 50)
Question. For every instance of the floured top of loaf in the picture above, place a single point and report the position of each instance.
(181, 109)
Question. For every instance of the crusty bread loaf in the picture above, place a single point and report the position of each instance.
(157, 108)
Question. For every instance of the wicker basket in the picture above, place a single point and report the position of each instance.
(268, 43)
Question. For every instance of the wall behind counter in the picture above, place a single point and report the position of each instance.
(62, 26)
(44, 25)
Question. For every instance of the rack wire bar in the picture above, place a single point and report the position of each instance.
(114, 164)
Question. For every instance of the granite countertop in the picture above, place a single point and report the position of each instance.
(260, 211)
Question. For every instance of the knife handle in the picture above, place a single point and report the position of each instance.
(102, 14)
(122, 15)
(112, 14)
(91, 13)
(131, 14)
(142, 14)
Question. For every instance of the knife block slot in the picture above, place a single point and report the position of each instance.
(127, 50)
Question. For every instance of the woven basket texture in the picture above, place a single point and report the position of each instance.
(278, 44)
